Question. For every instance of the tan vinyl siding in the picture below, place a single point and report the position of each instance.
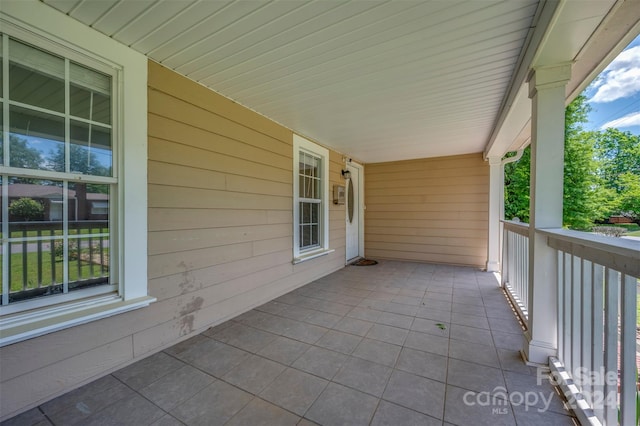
(220, 240)
(429, 210)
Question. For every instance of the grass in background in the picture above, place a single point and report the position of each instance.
(75, 272)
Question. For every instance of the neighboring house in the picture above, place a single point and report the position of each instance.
(620, 219)
(93, 206)
(218, 208)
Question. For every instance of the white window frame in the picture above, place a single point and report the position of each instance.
(44, 27)
(301, 144)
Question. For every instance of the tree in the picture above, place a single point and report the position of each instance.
(26, 209)
(516, 189)
(629, 196)
(80, 160)
(583, 202)
(24, 157)
(618, 153)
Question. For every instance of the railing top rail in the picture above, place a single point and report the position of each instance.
(516, 227)
(618, 253)
(53, 225)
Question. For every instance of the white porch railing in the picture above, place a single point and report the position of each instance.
(515, 265)
(596, 330)
(597, 301)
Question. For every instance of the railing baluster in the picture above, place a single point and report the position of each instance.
(576, 343)
(518, 266)
(517, 276)
(586, 342)
(628, 350)
(39, 250)
(25, 254)
(515, 268)
(90, 256)
(525, 273)
(512, 260)
(504, 263)
(9, 274)
(611, 345)
(597, 333)
(561, 305)
(78, 257)
(53, 259)
(102, 267)
(566, 324)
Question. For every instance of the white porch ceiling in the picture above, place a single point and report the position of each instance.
(378, 80)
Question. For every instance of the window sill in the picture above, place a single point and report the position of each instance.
(19, 327)
(309, 256)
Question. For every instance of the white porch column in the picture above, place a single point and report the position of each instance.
(496, 186)
(547, 92)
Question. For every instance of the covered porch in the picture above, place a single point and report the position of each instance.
(237, 107)
(396, 343)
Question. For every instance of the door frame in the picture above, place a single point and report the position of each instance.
(360, 209)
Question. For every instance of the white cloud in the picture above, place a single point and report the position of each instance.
(621, 79)
(628, 120)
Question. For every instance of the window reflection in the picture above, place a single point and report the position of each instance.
(36, 140)
(90, 150)
(36, 77)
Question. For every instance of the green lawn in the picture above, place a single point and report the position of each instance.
(633, 234)
(77, 270)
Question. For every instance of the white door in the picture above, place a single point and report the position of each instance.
(354, 214)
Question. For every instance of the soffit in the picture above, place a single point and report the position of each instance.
(379, 80)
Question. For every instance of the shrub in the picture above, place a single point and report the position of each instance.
(58, 249)
(26, 209)
(609, 231)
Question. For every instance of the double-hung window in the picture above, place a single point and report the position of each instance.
(63, 159)
(57, 158)
(311, 211)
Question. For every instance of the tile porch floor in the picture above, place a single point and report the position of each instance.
(397, 343)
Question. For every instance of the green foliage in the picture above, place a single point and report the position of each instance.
(618, 153)
(516, 194)
(601, 174)
(24, 157)
(58, 249)
(26, 209)
(79, 161)
(629, 194)
(581, 200)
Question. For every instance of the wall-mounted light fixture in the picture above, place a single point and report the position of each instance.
(346, 174)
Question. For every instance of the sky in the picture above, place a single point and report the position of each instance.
(615, 95)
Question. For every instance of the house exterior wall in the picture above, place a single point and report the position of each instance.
(428, 210)
(220, 241)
